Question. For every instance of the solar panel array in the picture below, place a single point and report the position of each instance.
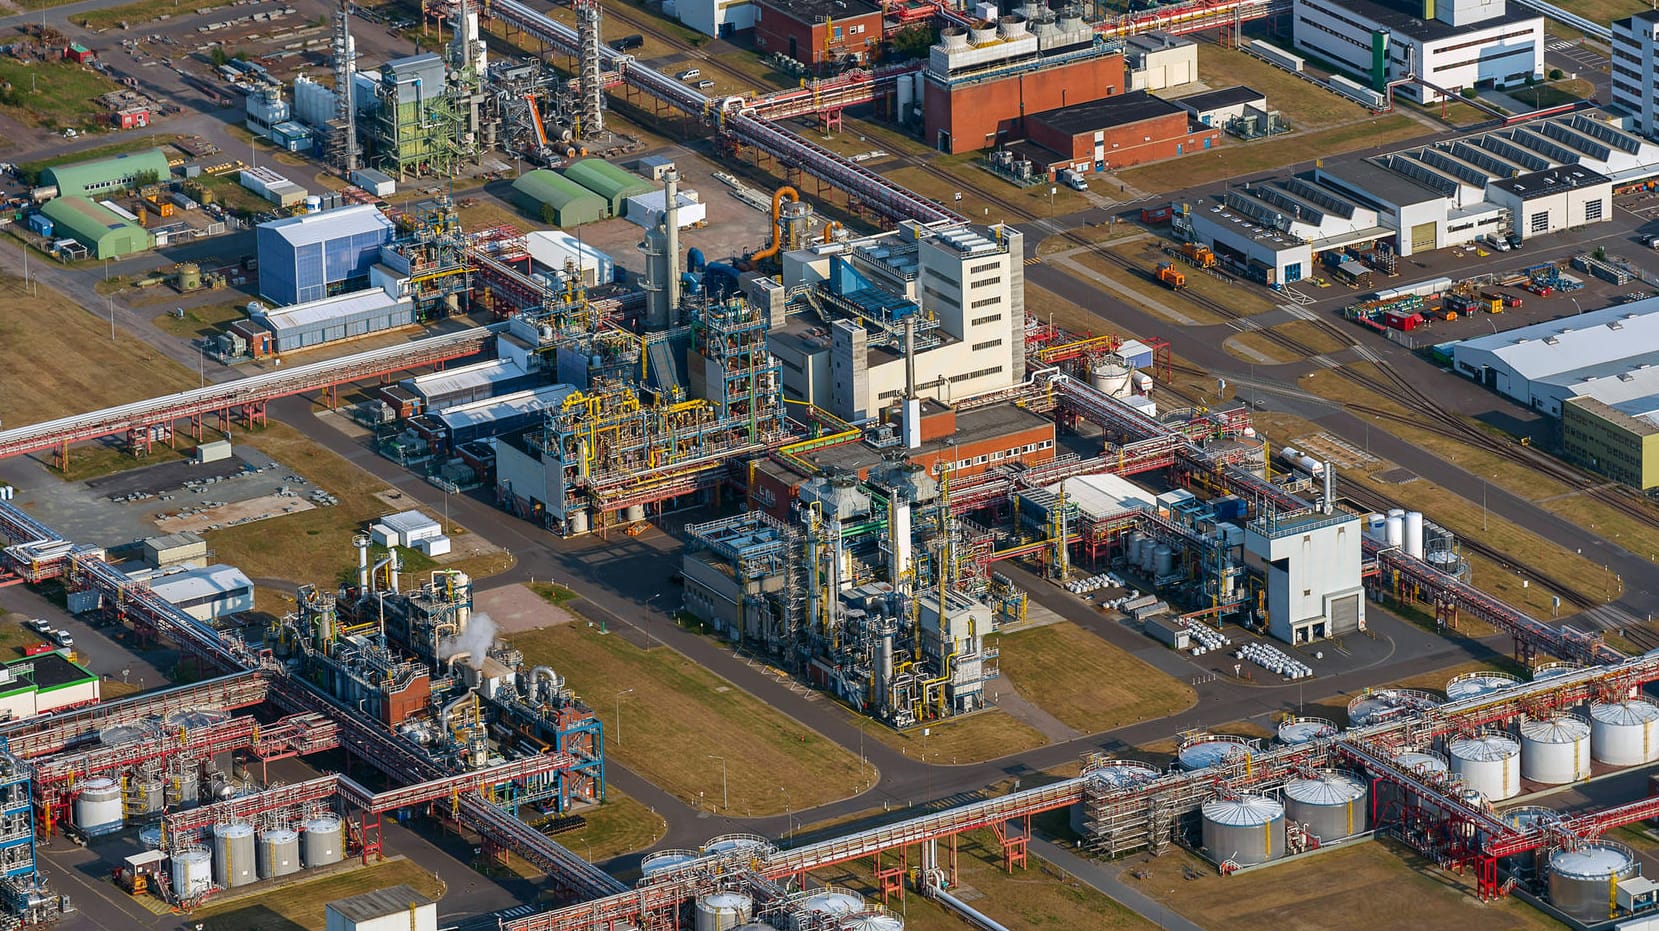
(1313, 193)
(1418, 172)
(1501, 145)
(1571, 139)
(1468, 174)
(1550, 150)
(1616, 138)
(1288, 204)
(1479, 157)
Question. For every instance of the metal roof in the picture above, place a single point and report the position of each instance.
(1225, 97)
(1110, 112)
(607, 180)
(1104, 494)
(86, 220)
(74, 178)
(486, 410)
(1554, 349)
(380, 903)
(332, 224)
(456, 380)
(213, 580)
(407, 521)
(338, 307)
(550, 187)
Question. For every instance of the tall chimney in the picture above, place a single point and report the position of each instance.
(671, 219)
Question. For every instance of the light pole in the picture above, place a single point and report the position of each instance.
(788, 812)
(1575, 304)
(619, 714)
(110, 303)
(725, 800)
(1052, 190)
(201, 363)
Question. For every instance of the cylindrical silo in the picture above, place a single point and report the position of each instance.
(811, 911)
(192, 872)
(142, 794)
(1414, 534)
(1332, 804)
(1132, 550)
(1395, 528)
(1163, 561)
(1112, 774)
(233, 854)
(660, 860)
(723, 911)
(1622, 733)
(1248, 829)
(1305, 730)
(1422, 762)
(1110, 376)
(321, 844)
(1378, 705)
(1483, 682)
(734, 843)
(1489, 764)
(1555, 751)
(1376, 527)
(1582, 880)
(98, 806)
(279, 853)
(1207, 750)
(873, 921)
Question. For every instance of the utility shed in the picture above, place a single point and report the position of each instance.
(176, 549)
(572, 204)
(611, 183)
(209, 593)
(100, 176)
(105, 234)
(395, 908)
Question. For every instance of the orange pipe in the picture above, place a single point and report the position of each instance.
(777, 222)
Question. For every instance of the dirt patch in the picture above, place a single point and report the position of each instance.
(515, 609)
(235, 513)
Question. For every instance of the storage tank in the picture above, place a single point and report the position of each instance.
(1622, 733)
(1305, 730)
(321, 845)
(810, 910)
(1376, 527)
(1555, 751)
(190, 276)
(1110, 376)
(873, 921)
(1248, 829)
(1332, 804)
(722, 911)
(98, 807)
(1132, 553)
(1551, 670)
(1482, 682)
(181, 788)
(1488, 763)
(1422, 762)
(732, 843)
(1581, 881)
(1163, 561)
(1378, 705)
(1414, 534)
(142, 795)
(233, 854)
(1395, 528)
(279, 853)
(1525, 865)
(1111, 774)
(656, 862)
(192, 872)
(150, 838)
(1149, 555)
(1205, 750)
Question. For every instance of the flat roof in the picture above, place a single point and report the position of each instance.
(330, 224)
(1550, 181)
(379, 903)
(456, 380)
(1133, 107)
(503, 406)
(169, 541)
(53, 669)
(1381, 184)
(405, 521)
(1104, 494)
(1157, 40)
(1637, 416)
(971, 427)
(1224, 97)
(812, 11)
(1406, 18)
(1554, 348)
(1646, 16)
(329, 308)
(213, 580)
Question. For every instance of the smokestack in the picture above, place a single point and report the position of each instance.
(671, 219)
(1329, 505)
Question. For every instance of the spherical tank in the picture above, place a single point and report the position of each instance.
(1581, 880)
(279, 853)
(321, 845)
(1163, 561)
(811, 910)
(1248, 829)
(873, 921)
(192, 872)
(1623, 733)
(1305, 730)
(1488, 763)
(233, 854)
(661, 860)
(722, 911)
(98, 805)
(1112, 774)
(1209, 751)
(1471, 684)
(1555, 751)
(1378, 705)
(1110, 376)
(1332, 804)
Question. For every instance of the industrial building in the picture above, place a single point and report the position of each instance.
(722, 18)
(394, 908)
(331, 319)
(979, 83)
(416, 128)
(611, 184)
(1113, 133)
(437, 390)
(1222, 106)
(1620, 445)
(1636, 70)
(105, 233)
(1157, 61)
(103, 176)
(547, 194)
(1310, 565)
(43, 684)
(273, 186)
(1433, 50)
(647, 210)
(560, 252)
(206, 594)
(819, 32)
(309, 257)
(176, 549)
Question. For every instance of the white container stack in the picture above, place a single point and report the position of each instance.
(1274, 660)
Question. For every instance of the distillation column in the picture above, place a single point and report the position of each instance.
(342, 130)
(587, 74)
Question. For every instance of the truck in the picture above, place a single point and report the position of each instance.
(1170, 276)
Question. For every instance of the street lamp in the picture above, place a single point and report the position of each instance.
(725, 801)
(788, 812)
(619, 714)
(1575, 304)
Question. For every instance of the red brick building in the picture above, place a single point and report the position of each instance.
(964, 115)
(819, 32)
(1106, 135)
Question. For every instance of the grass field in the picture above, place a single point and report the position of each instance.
(132, 14)
(52, 94)
(1271, 342)
(1304, 105)
(1243, 298)
(1234, 158)
(1144, 258)
(967, 179)
(983, 736)
(202, 321)
(678, 712)
(1086, 682)
(300, 906)
(1366, 887)
(619, 825)
(1600, 11)
(1554, 93)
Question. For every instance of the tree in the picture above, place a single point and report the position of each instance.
(1557, 74)
(914, 41)
(145, 178)
(549, 215)
(1468, 93)
(217, 56)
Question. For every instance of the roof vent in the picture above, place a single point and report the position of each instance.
(1551, 340)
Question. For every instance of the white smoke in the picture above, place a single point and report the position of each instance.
(475, 640)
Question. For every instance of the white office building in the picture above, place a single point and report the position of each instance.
(1311, 566)
(1449, 44)
(720, 18)
(1636, 70)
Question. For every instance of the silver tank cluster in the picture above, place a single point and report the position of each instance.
(1273, 659)
(1093, 583)
(1205, 639)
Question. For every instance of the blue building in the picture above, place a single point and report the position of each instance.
(309, 257)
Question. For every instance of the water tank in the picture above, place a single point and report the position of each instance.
(1378, 705)
(1305, 730)
(1395, 528)
(722, 911)
(1163, 561)
(1422, 762)
(1332, 804)
(1414, 534)
(1211, 749)
(1555, 751)
(873, 921)
(1622, 733)
(653, 863)
(1111, 774)
(1248, 829)
(192, 872)
(1481, 682)
(813, 908)
(98, 805)
(1488, 763)
(313, 204)
(1581, 881)
(279, 853)
(1110, 376)
(321, 845)
(233, 854)
(190, 276)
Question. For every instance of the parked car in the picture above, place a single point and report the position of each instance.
(38, 625)
(688, 74)
(62, 638)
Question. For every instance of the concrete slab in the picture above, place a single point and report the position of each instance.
(235, 513)
(516, 609)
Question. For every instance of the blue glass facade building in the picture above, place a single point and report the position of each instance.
(306, 258)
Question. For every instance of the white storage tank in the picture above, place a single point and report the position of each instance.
(1111, 774)
(1332, 804)
(1551, 670)
(1378, 705)
(192, 872)
(1395, 528)
(1414, 534)
(1623, 733)
(98, 807)
(233, 854)
(1305, 730)
(1376, 527)
(723, 911)
(1248, 829)
(1581, 881)
(1555, 751)
(732, 843)
(658, 861)
(321, 844)
(1206, 750)
(143, 795)
(812, 910)
(1483, 682)
(1163, 561)
(1110, 376)
(1132, 552)
(1489, 764)
(873, 921)
(279, 853)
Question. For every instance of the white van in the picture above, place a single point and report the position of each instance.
(689, 73)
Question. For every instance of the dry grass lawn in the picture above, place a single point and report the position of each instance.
(678, 712)
(983, 736)
(1271, 342)
(1235, 158)
(1305, 106)
(202, 321)
(300, 906)
(1086, 682)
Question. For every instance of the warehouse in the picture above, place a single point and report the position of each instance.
(1114, 133)
(44, 683)
(558, 200)
(1608, 354)
(1621, 443)
(559, 251)
(273, 187)
(613, 185)
(308, 257)
(395, 908)
(435, 391)
(494, 416)
(100, 177)
(1553, 199)
(206, 594)
(105, 234)
(343, 316)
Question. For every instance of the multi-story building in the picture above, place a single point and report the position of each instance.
(1446, 46)
(1622, 444)
(308, 257)
(819, 32)
(721, 18)
(1310, 565)
(1636, 70)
